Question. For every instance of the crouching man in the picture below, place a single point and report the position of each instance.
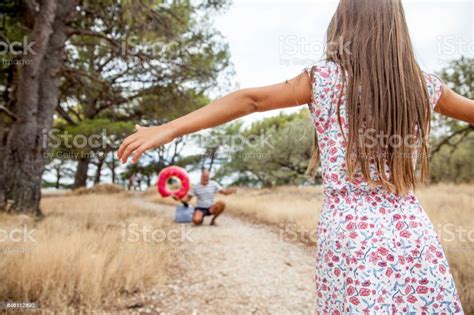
(205, 192)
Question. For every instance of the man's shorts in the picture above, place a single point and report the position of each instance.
(205, 211)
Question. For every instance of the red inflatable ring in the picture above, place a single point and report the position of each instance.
(166, 174)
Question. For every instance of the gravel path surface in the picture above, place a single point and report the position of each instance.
(234, 267)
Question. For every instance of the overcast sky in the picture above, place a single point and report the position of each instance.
(271, 41)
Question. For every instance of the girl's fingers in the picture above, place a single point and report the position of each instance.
(124, 145)
(138, 152)
(129, 149)
(133, 143)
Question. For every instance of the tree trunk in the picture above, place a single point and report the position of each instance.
(23, 150)
(113, 166)
(98, 170)
(58, 176)
(80, 179)
(36, 98)
(148, 181)
(213, 153)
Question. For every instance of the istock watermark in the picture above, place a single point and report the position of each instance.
(370, 138)
(56, 138)
(455, 233)
(451, 46)
(74, 155)
(456, 238)
(19, 235)
(292, 232)
(136, 46)
(236, 142)
(138, 233)
(296, 50)
(17, 48)
(238, 155)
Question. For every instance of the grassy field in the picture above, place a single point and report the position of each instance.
(78, 256)
(450, 208)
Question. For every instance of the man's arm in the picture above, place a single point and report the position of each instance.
(223, 191)
(188, 198)
(227, 191)
(190, 194)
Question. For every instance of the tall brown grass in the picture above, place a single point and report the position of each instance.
(79, 258)
(102, 188)
(450, 208)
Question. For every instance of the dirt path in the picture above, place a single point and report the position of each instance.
(234, 268)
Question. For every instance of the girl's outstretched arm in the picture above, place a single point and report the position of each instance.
(296, 91)
(455, 106)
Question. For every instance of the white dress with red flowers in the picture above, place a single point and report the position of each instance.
(377, 252)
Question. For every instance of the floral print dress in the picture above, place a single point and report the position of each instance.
(377, 252)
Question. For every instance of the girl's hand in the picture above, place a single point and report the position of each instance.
(144, 139)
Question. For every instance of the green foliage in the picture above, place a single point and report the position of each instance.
(276, 151)
(277, 122)
(12, 29)
(453, 141)
(148, 61)
(454, 164)
(459, 76)
(88, 138)
(129, 62)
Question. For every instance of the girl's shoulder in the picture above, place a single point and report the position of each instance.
(324, 68)
(324, 73)
(435, 87)
(325, 78)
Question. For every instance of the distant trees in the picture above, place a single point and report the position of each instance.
(283, 151)
(453, 141)
(94, 140)
(107, 64)
(270, 152)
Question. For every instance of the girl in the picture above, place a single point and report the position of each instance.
(377, 251)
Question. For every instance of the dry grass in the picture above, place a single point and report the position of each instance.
(279, 206)
(102, 188)
(79, 258)
(450, 208)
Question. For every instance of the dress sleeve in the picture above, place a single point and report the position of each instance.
(435, 88)
(311, 72)
(323, 76)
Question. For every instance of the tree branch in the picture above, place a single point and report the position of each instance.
(446, 141)
(8, 112)
(64, 115)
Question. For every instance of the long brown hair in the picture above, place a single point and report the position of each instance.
(385, 93)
